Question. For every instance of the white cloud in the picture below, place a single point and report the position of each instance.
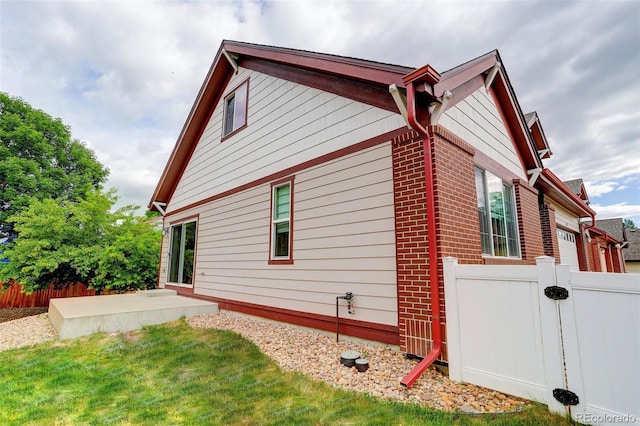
(596, 189)
(125, 74)
(623, 210)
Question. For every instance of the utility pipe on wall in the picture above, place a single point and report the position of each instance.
(431, 232)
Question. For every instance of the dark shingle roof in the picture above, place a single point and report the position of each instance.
(613, 227)
(574, 185)
(632, 252)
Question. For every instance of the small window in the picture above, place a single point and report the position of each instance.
(182, 246)
(235, 109)
(281, 218)
(496, 214)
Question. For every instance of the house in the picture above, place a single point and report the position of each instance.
(301, 177)
(606, 243)
(632, 251)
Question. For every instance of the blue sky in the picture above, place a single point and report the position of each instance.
(123, 75)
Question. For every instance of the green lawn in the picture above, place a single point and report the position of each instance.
(177, 375)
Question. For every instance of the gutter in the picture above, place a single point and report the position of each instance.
(431, 233)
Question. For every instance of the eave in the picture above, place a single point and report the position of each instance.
(552, 187)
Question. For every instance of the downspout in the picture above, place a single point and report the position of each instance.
(433, 246)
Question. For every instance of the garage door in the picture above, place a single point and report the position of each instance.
(568, 249)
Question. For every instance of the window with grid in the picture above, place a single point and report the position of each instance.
(281, 213)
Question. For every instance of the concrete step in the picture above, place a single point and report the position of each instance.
(80, 316)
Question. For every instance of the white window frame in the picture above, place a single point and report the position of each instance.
(239, 98)
(275, 221)
(181, 252)
(510, 235)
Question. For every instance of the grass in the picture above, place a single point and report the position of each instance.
(176, 375)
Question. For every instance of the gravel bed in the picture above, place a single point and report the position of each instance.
(26, 331)
(318, 355)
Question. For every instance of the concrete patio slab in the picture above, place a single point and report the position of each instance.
(80, 316)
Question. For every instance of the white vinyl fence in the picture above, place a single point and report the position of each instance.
(540, 331)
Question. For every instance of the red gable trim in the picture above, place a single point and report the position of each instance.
(364, 76)
(357, 69)
(552, 186)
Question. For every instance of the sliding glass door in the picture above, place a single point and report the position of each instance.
(182, 247)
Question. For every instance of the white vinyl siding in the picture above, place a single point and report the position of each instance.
(284, 117)
(566, 219)
(344, 240)
(478, 122)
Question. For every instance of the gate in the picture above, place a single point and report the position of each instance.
(568, 339)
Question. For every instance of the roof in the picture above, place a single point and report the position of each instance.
(557, 190)
(578, 188)
(575, 185)
(613, 227)
(632, 252)
(537, 132)
(329, 72)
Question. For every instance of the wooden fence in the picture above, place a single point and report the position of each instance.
(14, 298)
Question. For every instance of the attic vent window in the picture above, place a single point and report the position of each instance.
(235, 109)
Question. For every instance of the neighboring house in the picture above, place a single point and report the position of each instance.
(607, 241)
(299, 177)
(561, 211)
(632, 251)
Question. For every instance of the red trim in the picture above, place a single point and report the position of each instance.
(220, 72)
(224, 137)
(458, 76)
(434, 291)
(289, 260)
(554, 183)
(377, 140)
(359, 69)
(182, 291)
(485, 162)
(185, 219)
(463, 91)
(367, 93)
(362, 329)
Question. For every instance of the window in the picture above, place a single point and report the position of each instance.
(182, 246)
(281, 219)
(235, 109)
(496, 213)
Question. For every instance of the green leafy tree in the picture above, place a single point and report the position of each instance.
(63, 242)
(628, 224)
(39, 159)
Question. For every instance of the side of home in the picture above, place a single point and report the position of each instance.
(297, 178)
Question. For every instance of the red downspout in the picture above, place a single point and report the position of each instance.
(433, 246)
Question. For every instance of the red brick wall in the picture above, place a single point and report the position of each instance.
(412, 251)
(458, 228)
(549, 232)
(531, 236)
(458, 231)
(583, 251)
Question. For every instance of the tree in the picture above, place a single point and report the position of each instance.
(38, 159)
(63, 242)
(628, 224)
